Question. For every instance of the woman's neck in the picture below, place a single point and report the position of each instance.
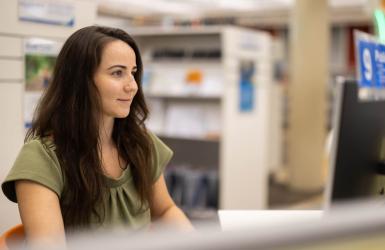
(105, 131)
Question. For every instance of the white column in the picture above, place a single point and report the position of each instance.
(309, 31)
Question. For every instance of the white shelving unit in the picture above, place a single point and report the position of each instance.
(203, 120)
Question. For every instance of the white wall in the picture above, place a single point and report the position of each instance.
(12, 33)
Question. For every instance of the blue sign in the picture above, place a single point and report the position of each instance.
(371, 62)
(246, 86)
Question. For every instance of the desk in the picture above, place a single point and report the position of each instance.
(353, 226)
(241, 219)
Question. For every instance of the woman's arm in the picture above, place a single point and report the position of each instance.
(164, 208)
(40, 214)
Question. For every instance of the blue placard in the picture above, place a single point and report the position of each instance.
(371, 61)
(246, 86)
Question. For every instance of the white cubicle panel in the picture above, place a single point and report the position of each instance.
(12, 69)
(12, 131)
(13, 48)
(12, 34)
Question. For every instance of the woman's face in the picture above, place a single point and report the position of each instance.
(114, 79)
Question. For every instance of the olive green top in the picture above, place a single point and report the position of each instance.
(37, 161)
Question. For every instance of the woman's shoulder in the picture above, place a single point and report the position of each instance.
(37, 142)
(36, 162)
(155, 139)
(161, 156)
(40, 148)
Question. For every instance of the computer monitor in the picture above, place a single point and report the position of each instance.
(358, 135)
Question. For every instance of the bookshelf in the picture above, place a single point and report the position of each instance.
(213, 117)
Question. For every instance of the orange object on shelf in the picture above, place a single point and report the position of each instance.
(194, 76)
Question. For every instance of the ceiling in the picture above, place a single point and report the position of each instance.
(261, 11)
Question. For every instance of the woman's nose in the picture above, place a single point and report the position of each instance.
(130, 86)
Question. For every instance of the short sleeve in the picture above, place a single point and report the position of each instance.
(35, 162)
(162, 156)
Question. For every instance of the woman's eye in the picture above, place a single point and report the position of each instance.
(118, 73)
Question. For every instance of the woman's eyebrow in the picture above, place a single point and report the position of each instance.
(118, 66)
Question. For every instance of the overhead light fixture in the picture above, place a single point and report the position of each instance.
(347, 3)
(379, 20)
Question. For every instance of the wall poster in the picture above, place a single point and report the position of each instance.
(39, 58)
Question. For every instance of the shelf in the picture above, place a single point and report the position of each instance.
(170, 31)
(186, 61)
(184, 96)
(211, 138)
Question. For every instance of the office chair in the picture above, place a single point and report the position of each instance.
(12, 237)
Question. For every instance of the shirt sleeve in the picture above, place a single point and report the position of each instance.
(162, 156)
(37, 163)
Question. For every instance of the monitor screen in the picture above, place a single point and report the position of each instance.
(358, 134)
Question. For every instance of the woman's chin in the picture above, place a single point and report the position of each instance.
(122, 115)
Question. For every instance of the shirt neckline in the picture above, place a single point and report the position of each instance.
(124, 177)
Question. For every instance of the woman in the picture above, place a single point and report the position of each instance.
(88, 160)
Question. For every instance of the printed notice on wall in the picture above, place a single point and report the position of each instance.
(56, 12)
(40, 57)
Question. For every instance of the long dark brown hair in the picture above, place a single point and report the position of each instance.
(69, 113)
